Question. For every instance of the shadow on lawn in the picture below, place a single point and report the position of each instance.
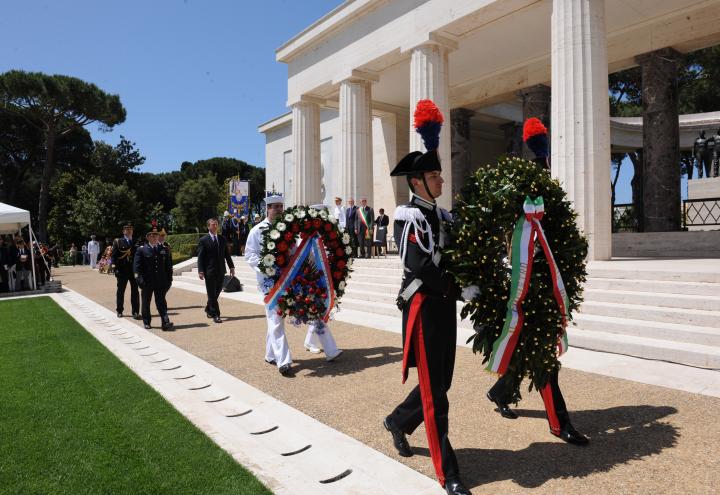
(617, 435)
(351, 361)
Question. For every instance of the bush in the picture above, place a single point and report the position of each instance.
(183, 246)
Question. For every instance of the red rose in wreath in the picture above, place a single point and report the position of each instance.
(282, 246)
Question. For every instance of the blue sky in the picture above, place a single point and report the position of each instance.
(195, 76)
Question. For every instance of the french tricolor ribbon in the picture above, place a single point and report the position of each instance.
(527, 229)
(311, 245)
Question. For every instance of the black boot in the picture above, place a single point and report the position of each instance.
(503, 408)
(399, 440)
(571, 435)
(453, 486)
(167, 325)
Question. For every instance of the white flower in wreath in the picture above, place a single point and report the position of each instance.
(274, 235)
(346, 238)
(289, 217)
(313, 213)
(300, 214)
(270, 272)
(332, 219)
(341, 286)
(348, 250)
(350, 261)
(323, 215)
(270, 245)
(268, 260)
(281, 227)
(290, 302)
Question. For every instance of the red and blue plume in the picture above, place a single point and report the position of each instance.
(535, 136)
(428, 121)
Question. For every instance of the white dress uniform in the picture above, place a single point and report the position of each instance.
(93, 249)
(276, 344)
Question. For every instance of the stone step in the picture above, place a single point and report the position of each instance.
(695, 317)
(660, 286)
(704, 302)
(660, 274)
(648, 329)
(702, 356)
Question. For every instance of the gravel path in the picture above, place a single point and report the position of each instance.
(644, 439)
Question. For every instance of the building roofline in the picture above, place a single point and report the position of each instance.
(342, 14)
(275, 122)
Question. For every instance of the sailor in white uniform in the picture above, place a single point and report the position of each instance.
(277, 350)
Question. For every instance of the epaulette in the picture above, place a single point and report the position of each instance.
(408, 213)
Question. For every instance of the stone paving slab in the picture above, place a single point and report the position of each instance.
(644, 438)
(289, 451)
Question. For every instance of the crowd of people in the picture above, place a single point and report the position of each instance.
(368, 233)
(16, 263)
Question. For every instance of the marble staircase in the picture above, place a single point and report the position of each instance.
(666, 310)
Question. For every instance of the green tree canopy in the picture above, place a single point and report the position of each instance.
(197, 200)
(101, 207)
(56, 105)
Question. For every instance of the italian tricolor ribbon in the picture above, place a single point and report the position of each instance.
(365, 221)
(527, 229)
(311, 245)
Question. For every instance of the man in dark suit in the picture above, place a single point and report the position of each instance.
(123, 256)
(350, 220)
(364, 227)
(154, 274)
(213, 252)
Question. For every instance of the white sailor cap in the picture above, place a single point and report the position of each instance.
(274, 199)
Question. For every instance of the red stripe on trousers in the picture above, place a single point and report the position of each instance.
(547, 396)
(412, 316)
(426, 388)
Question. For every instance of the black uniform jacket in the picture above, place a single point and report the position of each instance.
(123, 255)
(211, 259)
(417, 232)
(153, 267)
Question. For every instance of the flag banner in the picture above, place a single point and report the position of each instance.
(239, 197)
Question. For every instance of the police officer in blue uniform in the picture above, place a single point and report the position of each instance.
(154, 271)
(123, 256)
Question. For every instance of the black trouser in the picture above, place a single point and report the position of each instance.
(213, 287)
(555, 408)
(437, 338)
(122, 281)
(160, 303)
(364, 243)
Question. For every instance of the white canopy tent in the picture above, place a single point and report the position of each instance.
(12, 220)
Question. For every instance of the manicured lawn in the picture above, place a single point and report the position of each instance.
(74, 420)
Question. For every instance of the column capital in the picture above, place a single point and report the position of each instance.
(667, 53)
(441, 39)
(461, 113)
(307, 99)
(356, 75)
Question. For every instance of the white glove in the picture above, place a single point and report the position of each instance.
(469, 293)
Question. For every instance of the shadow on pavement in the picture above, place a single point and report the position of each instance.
(351, 361)
(188, 307)
(245, 317)
(618, 435)
(190, 325)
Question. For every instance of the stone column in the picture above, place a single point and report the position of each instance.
(429, 80)
(536, 103)
(661, 141)
(356, 163)
(460, 147)
(580, 116)
(306, 152)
